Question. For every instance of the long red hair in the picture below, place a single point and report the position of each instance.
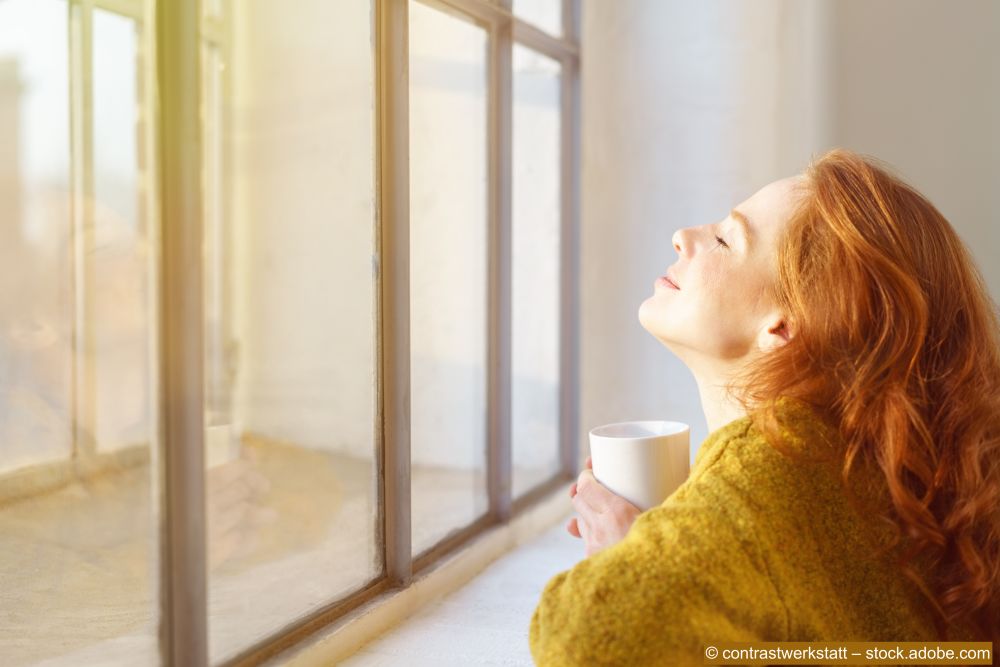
(897, 343)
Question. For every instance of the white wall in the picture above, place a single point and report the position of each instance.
(918, 84)
(688, 108)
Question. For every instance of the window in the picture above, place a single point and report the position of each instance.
(449, 271)
(79, 538)
(538, 265)
(544, 14)
(290, 302)
(287, 312)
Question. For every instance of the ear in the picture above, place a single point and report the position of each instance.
(777, 331)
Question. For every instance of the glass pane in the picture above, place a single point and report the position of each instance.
(290, 316)
(218, 290)
(535, 243)
(36, 312)
(78, 525)
(448, 279)
(544, 14)
(120, 297)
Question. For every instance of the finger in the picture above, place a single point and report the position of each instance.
(220, 498)
(258, 482)
(572, 490)
(227, 473)
(221, 548)
(262, 516)
(572, 528)
(229, 519)
(583, 528)
(590, 463)
(594, 494)
(247, 545)
(586, 511)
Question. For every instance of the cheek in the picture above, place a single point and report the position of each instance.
(721, 313)
(727, 292)
(712, 313)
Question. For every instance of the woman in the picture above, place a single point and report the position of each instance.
(847, 355)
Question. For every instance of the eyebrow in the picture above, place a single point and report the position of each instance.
(744, 224)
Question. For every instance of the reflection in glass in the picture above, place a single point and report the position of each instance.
(78, 525)
(535, 301)
(290, 316)
(448, 279)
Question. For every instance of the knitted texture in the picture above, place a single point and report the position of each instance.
(753, 546)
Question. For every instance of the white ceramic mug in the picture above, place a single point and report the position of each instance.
(641, 461)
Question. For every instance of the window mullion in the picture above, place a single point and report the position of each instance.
(569, 274)
(393, 269)
(133, 9)
(81, 221)
(499, 248)
(541, 41)
(183, 586)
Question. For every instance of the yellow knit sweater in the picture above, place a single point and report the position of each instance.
(753, 546)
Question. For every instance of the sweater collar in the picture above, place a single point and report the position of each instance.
(803, 428)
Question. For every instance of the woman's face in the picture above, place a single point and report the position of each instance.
(723, 269)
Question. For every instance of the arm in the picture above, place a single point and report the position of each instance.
(687, 574)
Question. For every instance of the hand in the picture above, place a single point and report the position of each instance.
(234, 494)
(605, 517)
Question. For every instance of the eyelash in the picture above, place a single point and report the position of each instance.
(721, 242)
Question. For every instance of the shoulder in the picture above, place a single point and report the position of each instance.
(756, 467)
(688, 573)
(695, 569)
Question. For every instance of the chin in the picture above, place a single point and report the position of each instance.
(654, 324)
(652, 316)
(647, 313)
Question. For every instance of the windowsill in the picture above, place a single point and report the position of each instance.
(83, 547)
(474, 607)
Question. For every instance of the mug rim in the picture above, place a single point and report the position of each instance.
(672, 422)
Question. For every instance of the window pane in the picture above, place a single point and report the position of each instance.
(78, 525)
(37, 285)
(536, 302)
(544, 14)
(448, 279)
(120, 297)
(290, 316)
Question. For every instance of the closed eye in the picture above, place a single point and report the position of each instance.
(721, 242)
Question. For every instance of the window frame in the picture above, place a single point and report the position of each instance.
(180, 32)
(80, 39)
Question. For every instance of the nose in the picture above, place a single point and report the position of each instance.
(680, 241)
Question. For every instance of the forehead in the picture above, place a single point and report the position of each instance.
(772, 205)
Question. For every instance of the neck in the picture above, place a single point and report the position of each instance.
(720, 409)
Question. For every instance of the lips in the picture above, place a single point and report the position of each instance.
(666, 283)
(671, 280)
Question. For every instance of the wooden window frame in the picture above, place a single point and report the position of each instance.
(180, 29)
